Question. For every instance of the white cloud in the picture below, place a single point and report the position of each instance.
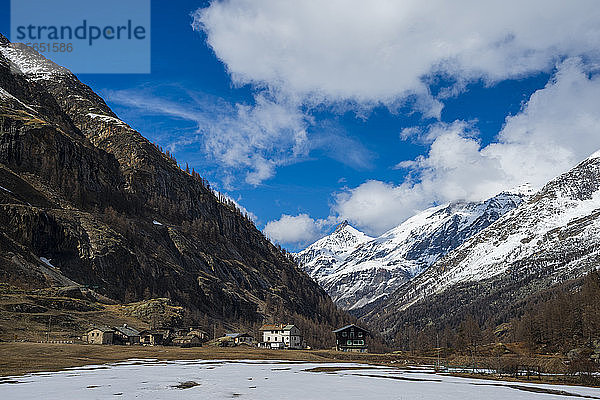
(379, 51)
(249, 139)
(300, 229)
(556, 129)
(377, 206)
(253, 139)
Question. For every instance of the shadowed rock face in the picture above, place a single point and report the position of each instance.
(80, 188)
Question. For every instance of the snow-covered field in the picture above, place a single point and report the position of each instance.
(151, 379)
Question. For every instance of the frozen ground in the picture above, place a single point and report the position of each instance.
(151, 379)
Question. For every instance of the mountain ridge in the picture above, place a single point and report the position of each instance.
(365, 271)
(551, 238)
(81, 188)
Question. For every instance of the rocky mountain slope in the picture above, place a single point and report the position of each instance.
(357, 270)
(552, 238)
(86, 200)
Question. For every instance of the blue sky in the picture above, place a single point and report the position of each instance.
(307, 114)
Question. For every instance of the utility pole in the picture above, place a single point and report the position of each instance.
(48, 332)
(437, 334)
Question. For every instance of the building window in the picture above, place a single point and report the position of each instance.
(269, 339)
(344, 334)
(359, 334)
(349, 342)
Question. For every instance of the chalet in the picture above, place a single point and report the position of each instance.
(351, 338)
(100, 335)
(281, 336)
(151, 337)
(126, 335)
(241, 338)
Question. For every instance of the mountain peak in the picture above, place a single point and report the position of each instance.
(342, 225)
(595, 155)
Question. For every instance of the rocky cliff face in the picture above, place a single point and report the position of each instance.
(84, 198)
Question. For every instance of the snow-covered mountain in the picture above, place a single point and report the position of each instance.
(357, 270)
(320, 258)
(553, 237)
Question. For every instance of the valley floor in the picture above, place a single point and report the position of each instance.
(259, 379)
(19, 358)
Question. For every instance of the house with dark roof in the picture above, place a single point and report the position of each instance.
(281, 336)
(152, 337)
(126, 335)
(241, 338)
(351, 338)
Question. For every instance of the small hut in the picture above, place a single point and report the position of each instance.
(241, 338)
(150, 337)
(100, 335)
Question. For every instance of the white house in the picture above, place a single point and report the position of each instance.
(281, 336)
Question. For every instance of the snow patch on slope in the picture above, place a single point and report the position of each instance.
(47, 262)
(595, 155)
(492, 258)
(5, 95)
(5, 189)
(30, 63)
(106, 118)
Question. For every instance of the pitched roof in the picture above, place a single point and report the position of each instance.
(151, 332)
(276, 327)
(350, 326)
(101, 329)
(127, 330)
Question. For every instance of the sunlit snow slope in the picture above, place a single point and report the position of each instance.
(357, 270)
(552, 237)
